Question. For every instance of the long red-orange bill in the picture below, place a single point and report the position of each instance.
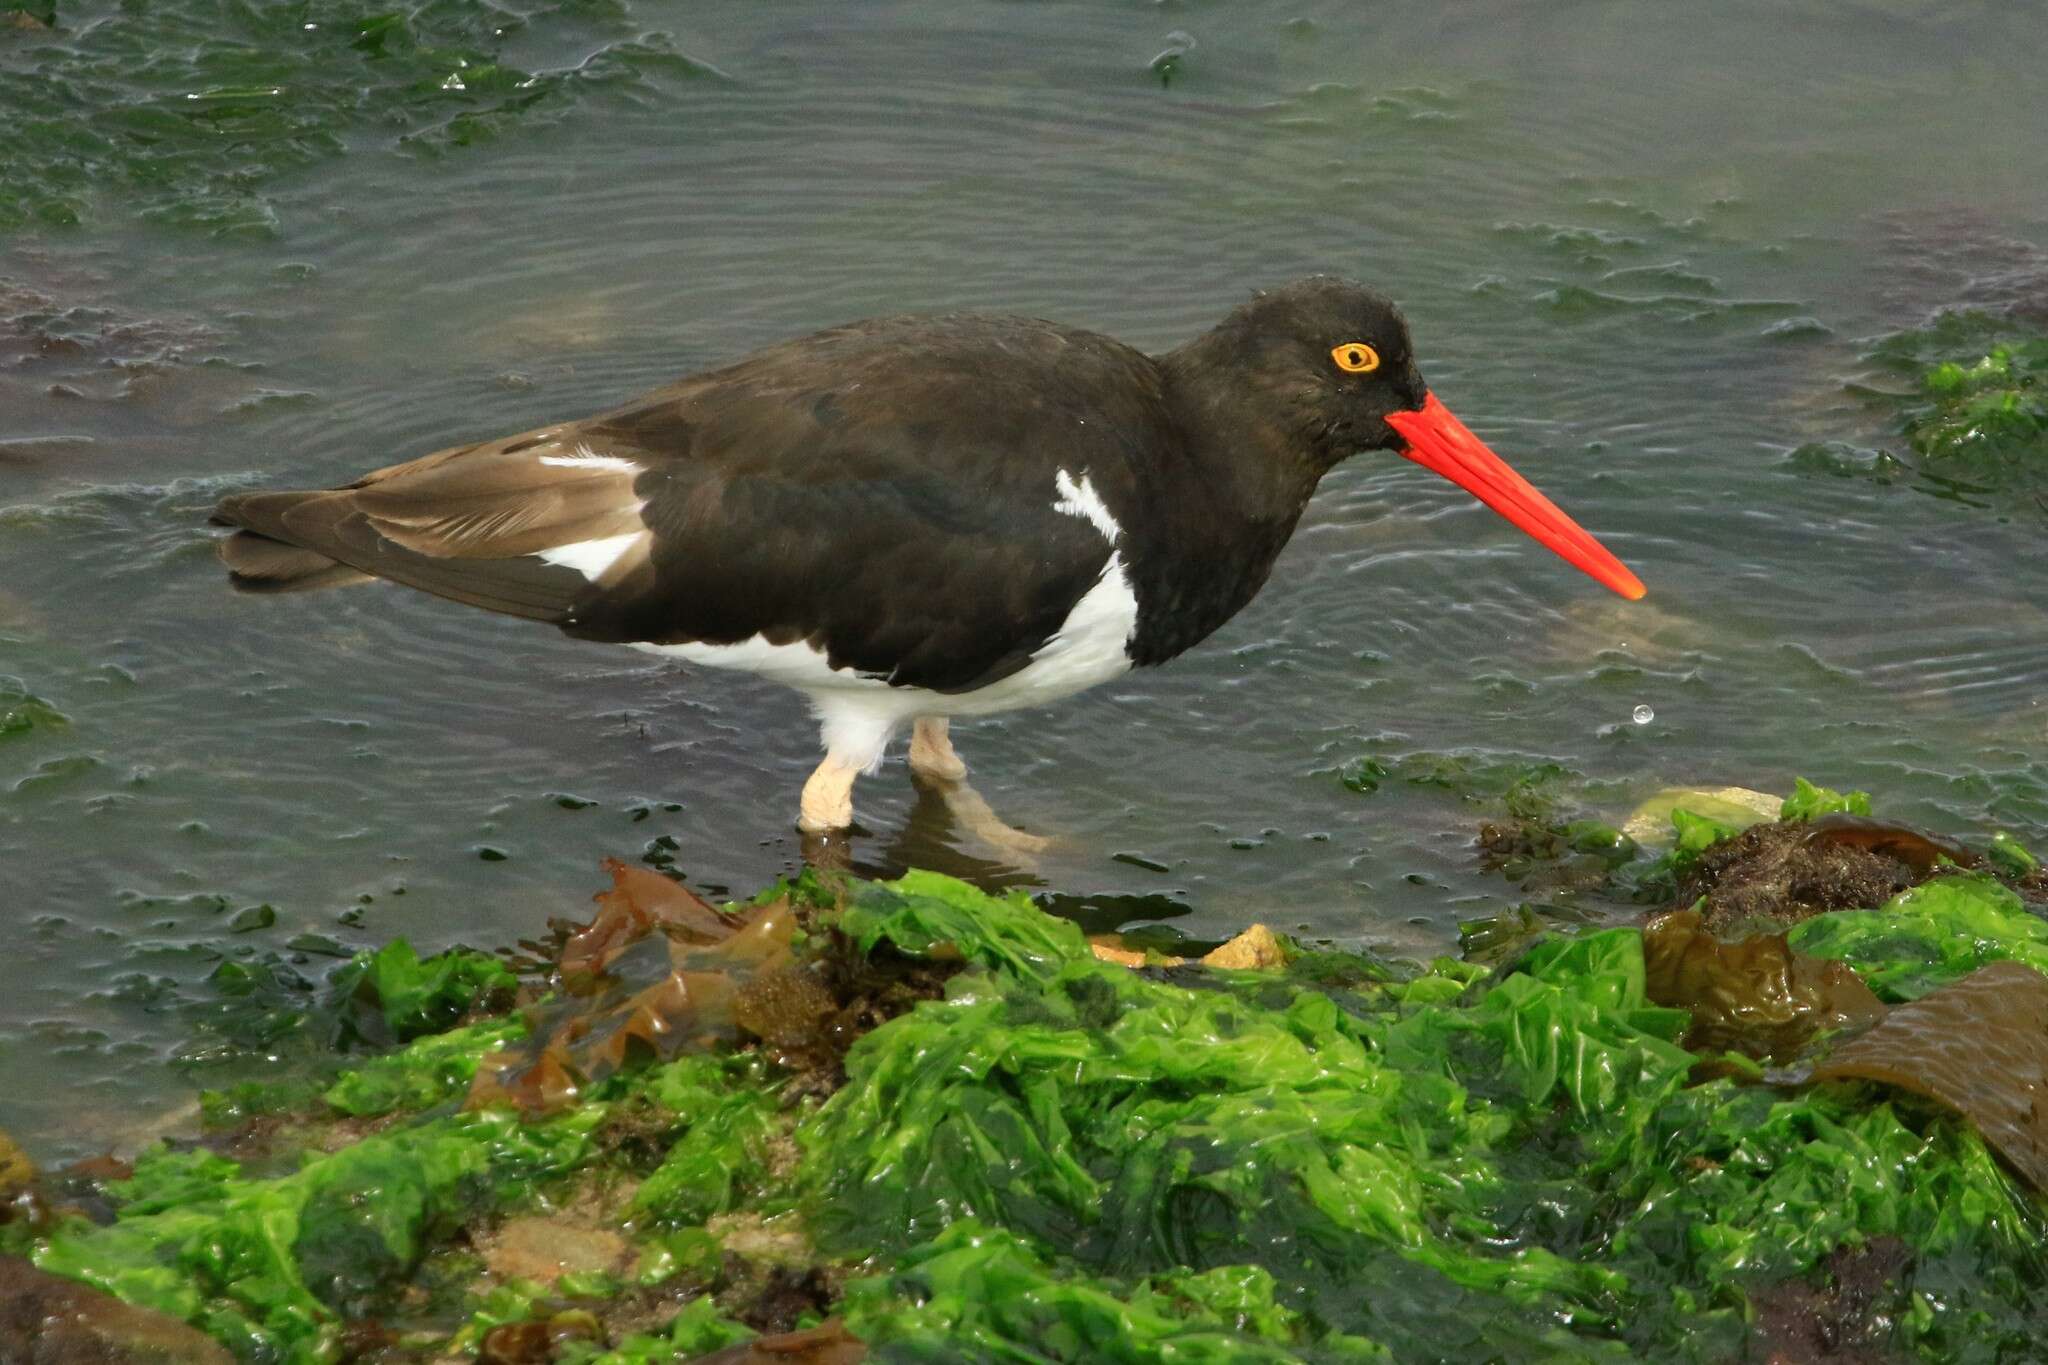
(1442, 444)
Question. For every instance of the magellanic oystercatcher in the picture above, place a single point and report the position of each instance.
(913, 518)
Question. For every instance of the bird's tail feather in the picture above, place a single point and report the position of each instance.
(264, 564)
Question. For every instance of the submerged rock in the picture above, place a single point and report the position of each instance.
(545, 1249)
(1649, 824)
(48, 1320)
(1840, 1315)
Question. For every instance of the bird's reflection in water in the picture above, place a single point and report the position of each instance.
(951, 829)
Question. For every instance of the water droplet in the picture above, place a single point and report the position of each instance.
(1644, 715)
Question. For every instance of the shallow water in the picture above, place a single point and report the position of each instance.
(1642, 248)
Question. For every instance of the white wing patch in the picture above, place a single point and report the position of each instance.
(583, 457)
(1081, 500)
(592, 558)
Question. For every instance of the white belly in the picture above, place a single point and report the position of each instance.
(859, 712)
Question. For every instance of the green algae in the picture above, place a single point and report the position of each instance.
(271, 1266)
(22, 712)
(185, 112)
(981, 1293)
(698, 1330)
(1996, 403)
(1064, 1159)
(427, 1072)
(2011, 857)
(297, 1034)
(1970, 396)
(1808, 801)
(727, 1118)
(1934, 934)
(1128, 1126)
(413, 995)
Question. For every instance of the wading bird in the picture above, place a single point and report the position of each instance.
(913, 518)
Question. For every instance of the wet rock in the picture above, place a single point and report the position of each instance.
(1108, 948)
(1255, 948)
(1649, 824)
(47, 1320)
(16, 1170)
(773, 1241)
(1757, 996)
(1922, 852)
(785, 1297)
(1980, 1047)
(1944, 256)
(534, 1343)
(59, 341)
(1840, 1315)
(829, 1343)
(545, 1249)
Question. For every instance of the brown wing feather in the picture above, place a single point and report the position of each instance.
(465, 523)
(256, 563)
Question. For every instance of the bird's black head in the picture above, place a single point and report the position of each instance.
(1304, 375)
(1322, 360)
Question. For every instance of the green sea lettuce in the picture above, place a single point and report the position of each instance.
(424, 1073)
(416, 995)
(184, 111)
(2011, 857)
(981, 1293)
(1973, 408)
(1520, 1162)
(1808, 801)
(1068, 1160)
(1937, 932)
(727, 1119)
(271, 1266)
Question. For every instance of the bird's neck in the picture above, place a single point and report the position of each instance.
(1234, 415)
(1240, 486)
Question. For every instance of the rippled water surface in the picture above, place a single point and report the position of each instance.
(1643, 247)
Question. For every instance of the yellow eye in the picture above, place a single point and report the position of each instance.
(1356, 357)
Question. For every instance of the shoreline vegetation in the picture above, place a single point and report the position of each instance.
(1793, 1104)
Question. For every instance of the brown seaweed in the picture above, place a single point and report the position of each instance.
(1791, 871)
(1978, 1046)
(1917, 849)
(658, 972)
(1756, 996)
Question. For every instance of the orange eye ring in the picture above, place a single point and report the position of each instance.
(1355, 357)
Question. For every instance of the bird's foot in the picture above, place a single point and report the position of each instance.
(827, 802)
(931, 752)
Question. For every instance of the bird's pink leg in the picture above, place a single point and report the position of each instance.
(931, 751)
(827, 802)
